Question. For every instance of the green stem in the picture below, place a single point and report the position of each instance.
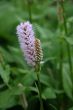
(22, 97)
(29, 10)
(66, 34)
(23, 101)
(37, 69)
(63, 24)
(60, 20)
(61, 58)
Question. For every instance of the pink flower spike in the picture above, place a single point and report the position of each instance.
(27, 43)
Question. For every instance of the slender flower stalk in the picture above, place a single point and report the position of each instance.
(32, 51)
(63, 27)
(66, 34)
(22, 97)
(37, 70)
(60, 20)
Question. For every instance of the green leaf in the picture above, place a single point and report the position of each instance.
(44, 79)
(16, 55)
(6, 99)
(67, 84)
(49, 93)
(29, 78)
(69, 40)
(70, 108)
(34, 89)
(17, 90)
(6, 55)
(5, 73)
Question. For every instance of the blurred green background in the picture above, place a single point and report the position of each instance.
(56, 88)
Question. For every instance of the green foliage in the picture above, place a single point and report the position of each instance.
(49, 93)
(71, 108)
(5, 73)
(16, 77)
(67, 83)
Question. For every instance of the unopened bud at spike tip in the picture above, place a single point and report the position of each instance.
(38, 51)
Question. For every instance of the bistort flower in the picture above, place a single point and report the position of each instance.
(30, 46)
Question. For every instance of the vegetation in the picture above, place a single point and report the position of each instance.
(53, 24)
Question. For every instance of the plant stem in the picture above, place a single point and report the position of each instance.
(29, 10)
(23, 101)
(37, 69)
(39, 88)
(61, 59)
(66, 34)
(61, 27)
(65, 30)
(60, 20)
(22, 97)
